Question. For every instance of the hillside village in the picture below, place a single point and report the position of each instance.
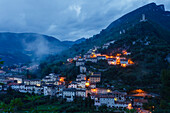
(84, 86)
(87, 82)
(55, 85)
(94, 56)
(124, 68)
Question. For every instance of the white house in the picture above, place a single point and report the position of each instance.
(111, 61)
(15, 87)
(109, 101)
(30, 88)
(101, 58)
(120, 96)
(59, 90)
(49, 90)
(94, 60)
(81, 93)
(72, 85)
(49, 78)
(80, 63)
(87, 55)
(81, 84)
(36, 82)
(16, 78)
(119, 104)
(69, 94)
(83, 69)
(81, 77)
(38, 90)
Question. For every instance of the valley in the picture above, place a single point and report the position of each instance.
(124, 68)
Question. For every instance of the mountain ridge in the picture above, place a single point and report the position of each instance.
(158, 17)
(27, 47)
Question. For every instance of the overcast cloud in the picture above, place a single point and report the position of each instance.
(65, 19)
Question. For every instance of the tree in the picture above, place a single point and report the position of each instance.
(3, 105)
(165, 90)
(6, 108)
(103, 109)
(32, 98)
(16, 103)
(131, 111)
(1, 62)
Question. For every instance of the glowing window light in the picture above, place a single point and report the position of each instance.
(115, 99)
(108, 90)
(87, 84)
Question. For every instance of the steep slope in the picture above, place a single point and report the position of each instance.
(148, 51)
(155, 14)
(148, 41)
(23, 47)
(152, 12)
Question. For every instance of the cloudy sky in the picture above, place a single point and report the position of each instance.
(65, 19)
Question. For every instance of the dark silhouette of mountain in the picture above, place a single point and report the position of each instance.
(147, 40)
(79, 41)
(70, 43)
(155, 14)
(23, 47)
(31, 44)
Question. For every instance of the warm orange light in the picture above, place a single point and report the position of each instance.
(108, 90)
(113, 63)
(117, 57)
(118, 54)
(111, 56)
(115, 99)
(139, 91)
(93, 90)
(123, 65)
(130, 61)
(87, 84)
(129, 106)
(19, 82)
(124, 52)
(93, 56)
(107, 56)
(62, 79)
(117, 60)
(38, 84)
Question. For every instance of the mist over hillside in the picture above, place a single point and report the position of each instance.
(25, 47)
(29, 47)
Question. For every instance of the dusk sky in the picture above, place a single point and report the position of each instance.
(65, 19)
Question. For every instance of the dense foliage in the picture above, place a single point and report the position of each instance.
(17, 102)
(148, 51)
